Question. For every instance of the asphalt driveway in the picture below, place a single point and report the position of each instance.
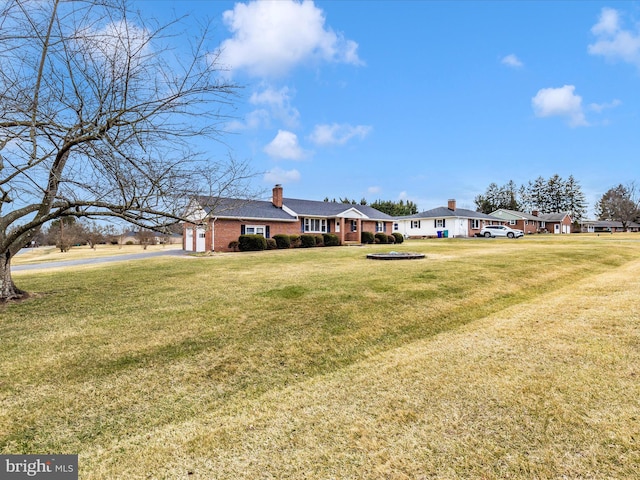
(95, 261)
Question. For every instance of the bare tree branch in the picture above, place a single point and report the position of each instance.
(98, 113)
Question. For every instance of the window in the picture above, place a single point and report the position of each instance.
(440, 223)
(415, 223)
(254, 230)
(475, 224)
(513, 222)
(201, 235)
(379, 227)
(395, 227)
(354, 225)
(318, 225)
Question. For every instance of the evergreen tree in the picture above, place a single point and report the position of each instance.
(395, 209)
(576, 202)
(496, 198)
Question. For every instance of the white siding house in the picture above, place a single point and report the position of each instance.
(446, 221)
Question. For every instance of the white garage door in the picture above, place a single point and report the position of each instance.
(188, 240)
(201, 235)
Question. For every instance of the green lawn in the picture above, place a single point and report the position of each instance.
(488, 359)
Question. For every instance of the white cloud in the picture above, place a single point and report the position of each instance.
(285, 146)
(612, 41)
(278, 103)
(255, 119)
(271, 38)
(278, 175)
(337, 134)
(560, 102)
(607, 23)
(121, 45)
(512, 61)
(599, 107)
(373, 190)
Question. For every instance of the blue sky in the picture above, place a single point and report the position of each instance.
(428, 101)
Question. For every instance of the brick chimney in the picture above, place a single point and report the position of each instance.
(276, 199)
(451, 204)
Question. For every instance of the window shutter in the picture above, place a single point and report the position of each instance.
(267, 232)
(384, 227)
(242, 230)
(328, 226)
(302, 225)
(435, 223)
(418, 223)
(444, 222)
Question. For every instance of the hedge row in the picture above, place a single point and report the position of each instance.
(368, 237)
(252, 243)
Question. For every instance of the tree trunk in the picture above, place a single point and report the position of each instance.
(8, 289)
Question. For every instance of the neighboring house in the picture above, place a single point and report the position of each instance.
(527, 222)
(606, 226)
(557, 222)
(535, 222)
(170, 239)
(132, 237)
(217, 221)
(446, 221)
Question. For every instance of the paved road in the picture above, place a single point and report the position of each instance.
(94, 261)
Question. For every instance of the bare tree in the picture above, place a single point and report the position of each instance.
(620, 203)
(97, 118)
(145, 238)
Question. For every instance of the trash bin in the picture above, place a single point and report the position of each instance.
(439, 233)
(445, 233)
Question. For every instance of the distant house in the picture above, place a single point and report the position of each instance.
(535, 222)
(448, 221)
(217, 221)
(557, 222)
(527, 222)
(133, 237)
(606, 226)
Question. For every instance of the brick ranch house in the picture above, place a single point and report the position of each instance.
(217, 221)
(535, 222)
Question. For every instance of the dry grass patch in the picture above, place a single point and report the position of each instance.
(321, 364)
(515, 395)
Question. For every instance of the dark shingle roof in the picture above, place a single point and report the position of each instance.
(515, 214)
(552, 217)
(238, 208)
(444, 212)
(331, 209)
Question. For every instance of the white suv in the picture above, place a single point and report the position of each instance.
(489, 231)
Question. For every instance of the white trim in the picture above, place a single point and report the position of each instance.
(255, 230)
(322, 224)
(352, 213)
(258, 219)
(289, 211)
